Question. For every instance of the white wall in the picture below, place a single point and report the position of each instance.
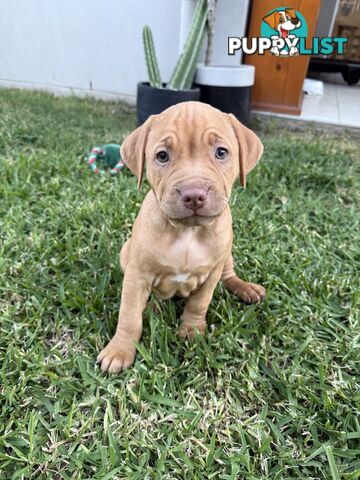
(95, 46)
(84, 45)
(230, 21)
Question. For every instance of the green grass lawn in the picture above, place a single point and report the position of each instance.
(271, 392)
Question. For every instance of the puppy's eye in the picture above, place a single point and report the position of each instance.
(162, 157)
(221, 153)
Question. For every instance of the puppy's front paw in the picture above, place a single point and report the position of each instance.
(246, 291)
(117, 355)
(275, 51)
(190, 331)
(293, 51)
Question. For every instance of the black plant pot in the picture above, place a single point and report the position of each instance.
(235, 100)
(227, 88)
(152, 100)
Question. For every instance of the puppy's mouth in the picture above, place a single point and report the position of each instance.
(191, 217)
(284, 33)
(194, 220)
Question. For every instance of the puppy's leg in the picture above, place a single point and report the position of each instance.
(125, 254)
(120, 351)
(196, 306)
(247, 292)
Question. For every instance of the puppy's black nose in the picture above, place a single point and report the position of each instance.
(295, 21)
(194, 197)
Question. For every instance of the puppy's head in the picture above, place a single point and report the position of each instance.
(193, 153)
(283, 21)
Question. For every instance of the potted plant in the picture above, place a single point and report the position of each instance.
(154, 96)
(227, 88)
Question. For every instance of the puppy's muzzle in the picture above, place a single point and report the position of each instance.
(295, 21)
(193, 201)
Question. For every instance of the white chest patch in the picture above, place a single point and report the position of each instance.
(182, 277)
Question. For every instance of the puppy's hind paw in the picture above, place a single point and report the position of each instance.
(246, 291)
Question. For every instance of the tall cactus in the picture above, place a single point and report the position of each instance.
(210, 30)
(150, 56)
(184, 72)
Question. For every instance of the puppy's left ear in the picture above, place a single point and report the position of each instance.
(271, 20)
(132, 151)
(250, 148)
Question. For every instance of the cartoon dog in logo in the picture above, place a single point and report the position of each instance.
(283, 21)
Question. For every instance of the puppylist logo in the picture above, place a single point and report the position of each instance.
(283, 32)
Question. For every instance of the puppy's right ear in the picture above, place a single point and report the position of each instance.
(132, 151)
(271, 20)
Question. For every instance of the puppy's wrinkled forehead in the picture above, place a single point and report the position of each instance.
(188, 126)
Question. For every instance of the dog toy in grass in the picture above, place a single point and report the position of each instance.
(106, 159)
